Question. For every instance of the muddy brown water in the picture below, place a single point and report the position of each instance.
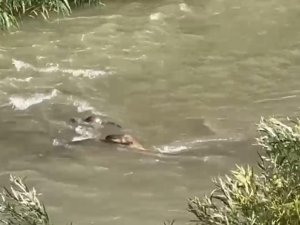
(190, 79)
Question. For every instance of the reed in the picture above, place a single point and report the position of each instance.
(12, 11)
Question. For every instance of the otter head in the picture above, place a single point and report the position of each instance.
(92, 119)
(124, 139)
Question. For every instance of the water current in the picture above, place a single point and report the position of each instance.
(190, 79)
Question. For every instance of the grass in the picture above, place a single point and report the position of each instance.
(12, 11)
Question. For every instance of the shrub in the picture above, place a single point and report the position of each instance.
(11, 11)
(269, 197)
(20, 206)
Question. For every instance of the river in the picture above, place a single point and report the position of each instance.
(190, 79)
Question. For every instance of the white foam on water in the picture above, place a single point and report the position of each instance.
(22, 103)
(82, 106)
(57, 143)
(180, 147)
(28, 79)
(80, 138)
(156, 16)
(11, 80)
(82, 37)
(82, 131)
(211, 140)
(19, 65)
(171, 149)
(91, 74)
(184, 7)
(85, 73)
(85, 133)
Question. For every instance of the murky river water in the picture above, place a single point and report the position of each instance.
(188, 78)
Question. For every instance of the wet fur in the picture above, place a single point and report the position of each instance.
(91, 119)
(122, 139)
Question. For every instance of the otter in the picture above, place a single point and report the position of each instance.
(124, 139)
(93, 120)
(121, 139)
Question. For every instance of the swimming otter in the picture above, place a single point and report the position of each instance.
(121, 139)
(93, 120)
(124, 139)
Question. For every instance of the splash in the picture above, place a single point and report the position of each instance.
(171, 149)
(21, 65)
(21, 103)
(84, 132)
(91, 74)
(82, 106)
(212, 140)
(178, 147)
(80, 138)
(60, 143)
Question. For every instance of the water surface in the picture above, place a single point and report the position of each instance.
(188, 78)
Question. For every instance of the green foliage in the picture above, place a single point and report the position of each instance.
(13, 10)
(20, 206)
(270, 197)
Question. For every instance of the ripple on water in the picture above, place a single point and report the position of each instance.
(22, 103)
(89, 73)
(180, 146)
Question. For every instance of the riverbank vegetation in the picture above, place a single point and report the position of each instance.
(266, 195)
(19, 205)
(12, 11)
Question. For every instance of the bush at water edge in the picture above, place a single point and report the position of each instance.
(12, 11)
(270, 197)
